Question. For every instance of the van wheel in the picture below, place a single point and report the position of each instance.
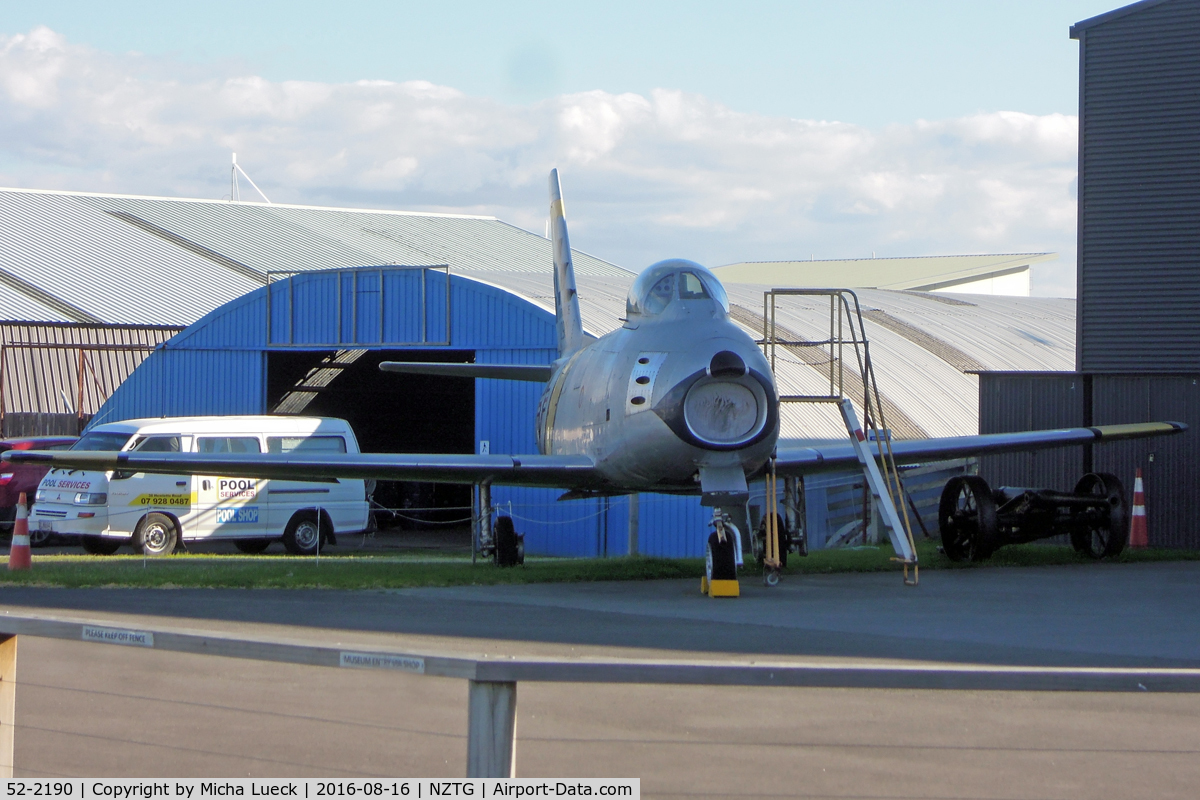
(100, 545)
(302, 536)
(156, 536)
(252, 546)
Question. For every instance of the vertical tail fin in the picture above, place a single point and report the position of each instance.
(566, 299)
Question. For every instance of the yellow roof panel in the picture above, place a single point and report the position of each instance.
(921, 273)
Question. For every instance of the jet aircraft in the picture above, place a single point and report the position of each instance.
(679, 399)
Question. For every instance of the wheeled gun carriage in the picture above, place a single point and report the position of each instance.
(975, 520)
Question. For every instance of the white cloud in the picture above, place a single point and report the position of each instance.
(646, 177)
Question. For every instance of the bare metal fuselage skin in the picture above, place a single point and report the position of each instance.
(668, 393)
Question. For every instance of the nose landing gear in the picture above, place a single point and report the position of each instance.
(722, 557)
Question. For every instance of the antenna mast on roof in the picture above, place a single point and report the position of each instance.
(234, 193)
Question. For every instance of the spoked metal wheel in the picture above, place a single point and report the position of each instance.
(967, 519)
(1101, 532)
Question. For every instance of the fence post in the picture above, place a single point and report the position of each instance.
(8, 702)
(485, 518)
(491, 729)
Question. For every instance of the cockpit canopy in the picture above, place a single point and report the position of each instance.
(676, 279)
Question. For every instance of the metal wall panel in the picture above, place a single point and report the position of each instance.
(435, 285)
(190, 382)
(311, 300)
(51, 372)
(26, 424)
(1139, 189)
(403, 320)
(239, 324)
(672, 527)
(1032, 401)
(592, 528)
(1171, 466)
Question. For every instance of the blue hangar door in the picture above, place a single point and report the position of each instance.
(328, 333)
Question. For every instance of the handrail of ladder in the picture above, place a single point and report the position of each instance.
(872, 401)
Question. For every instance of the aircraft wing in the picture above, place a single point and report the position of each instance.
(577, 472)
(523, 470)
(802, 458)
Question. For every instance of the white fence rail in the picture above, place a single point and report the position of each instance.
(492, 696)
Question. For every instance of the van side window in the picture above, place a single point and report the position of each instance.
(228, 444)
(306, 444)
(158, 444)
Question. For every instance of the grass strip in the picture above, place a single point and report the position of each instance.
(400, 572)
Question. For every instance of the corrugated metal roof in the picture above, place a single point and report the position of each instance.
(923, 377)
(116, 258)
(919, 273)
(924, 380)
(169, 261)
(19, 305)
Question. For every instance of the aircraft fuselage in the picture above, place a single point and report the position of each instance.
(668, 393)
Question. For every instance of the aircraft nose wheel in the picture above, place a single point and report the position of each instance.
(720, 561)
(771, 577)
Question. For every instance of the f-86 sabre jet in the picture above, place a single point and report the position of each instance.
(679, 399)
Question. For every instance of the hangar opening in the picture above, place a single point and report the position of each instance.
(389, 413)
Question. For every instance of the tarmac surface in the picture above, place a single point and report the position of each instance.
(91, 710)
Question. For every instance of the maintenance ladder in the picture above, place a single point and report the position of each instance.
(846, 331)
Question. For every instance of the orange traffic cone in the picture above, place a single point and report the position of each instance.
(1137, 523)
(18, 554)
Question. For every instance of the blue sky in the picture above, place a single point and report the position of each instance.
(860, 61)
(715, 131)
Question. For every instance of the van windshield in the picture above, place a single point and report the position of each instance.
(102, 441)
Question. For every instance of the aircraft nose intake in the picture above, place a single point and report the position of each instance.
(727, 364)
(724, 406)
(722, 412)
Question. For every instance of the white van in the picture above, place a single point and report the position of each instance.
(156, 512)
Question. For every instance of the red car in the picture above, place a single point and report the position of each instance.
(17, 478)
